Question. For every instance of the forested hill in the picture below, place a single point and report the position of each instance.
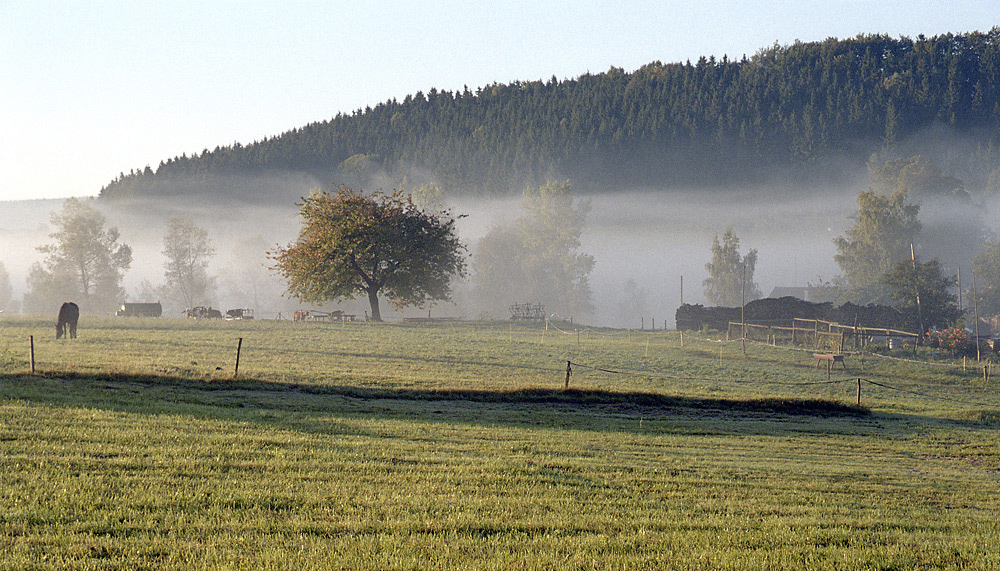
(813, 110)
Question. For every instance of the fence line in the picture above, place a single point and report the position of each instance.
(864, 354)
(588, 330)
(859, 380)
(811, 328)
(648, 374)
(715, 379)
(900, 359)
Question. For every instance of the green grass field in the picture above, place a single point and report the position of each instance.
(454, 445)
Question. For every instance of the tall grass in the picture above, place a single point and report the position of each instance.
(453, 445)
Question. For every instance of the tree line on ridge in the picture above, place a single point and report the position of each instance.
(799, 109)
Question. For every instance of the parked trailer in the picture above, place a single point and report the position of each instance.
(140, 310)
(239, 313)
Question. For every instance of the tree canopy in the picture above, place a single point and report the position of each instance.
(537, 259)
(86, 263)
(804, 107)
(987, 275)
(883, 230)
(353, 244)
(187, 249)
(915, 175)
(730, 275)
(6, 290)
(922, 294)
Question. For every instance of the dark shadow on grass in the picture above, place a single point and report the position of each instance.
(582, 399)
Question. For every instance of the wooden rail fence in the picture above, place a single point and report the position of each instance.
(816, 333)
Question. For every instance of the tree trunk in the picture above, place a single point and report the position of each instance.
(373, 302)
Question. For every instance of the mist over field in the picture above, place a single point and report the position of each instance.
(642, 242)
(651, 238)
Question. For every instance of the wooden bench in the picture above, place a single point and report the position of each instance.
(829, 359)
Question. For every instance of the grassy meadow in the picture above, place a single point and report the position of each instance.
(453, 445)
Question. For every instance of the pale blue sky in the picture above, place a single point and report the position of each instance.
(89, 89)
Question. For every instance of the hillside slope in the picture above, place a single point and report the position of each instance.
(804, 112)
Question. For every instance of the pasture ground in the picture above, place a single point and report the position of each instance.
(454, 446)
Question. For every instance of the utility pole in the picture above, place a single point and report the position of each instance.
(916, 287)
(975, 307)
(960, 306)
(743, 321)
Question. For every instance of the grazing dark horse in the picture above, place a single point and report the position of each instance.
(69, 315)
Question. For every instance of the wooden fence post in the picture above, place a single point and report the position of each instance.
(31, 351)
(239, 346)
(569, 371)
(859, 391)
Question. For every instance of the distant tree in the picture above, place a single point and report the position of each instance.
(86, 263)
(188, 249)
(537, 258)
(45, 290)
(359, 169)
(947, 238)
(246, 280)
(824, 103)
(917, 176)
(910, 281)
(6, 290)
(633, 305)
(147, 292)
(427, 196)
(883, 230)
(726, 278)
(987, 268)
(354, 244)
(993, 183)
(832, 290)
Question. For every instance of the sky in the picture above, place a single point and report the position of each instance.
(91, 89)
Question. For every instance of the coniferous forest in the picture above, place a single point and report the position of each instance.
(804, 112)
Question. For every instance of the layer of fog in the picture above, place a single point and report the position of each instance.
(642, 242)
(655, 239)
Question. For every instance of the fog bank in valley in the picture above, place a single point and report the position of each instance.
(642, 242)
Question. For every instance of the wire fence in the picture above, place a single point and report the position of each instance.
(758, 377)
(857, 380)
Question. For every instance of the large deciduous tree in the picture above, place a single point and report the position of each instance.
(188, 249)
(952, 224)
(86, 263)
(987, 275)
(537, 259)
(922, 294)
(730, 275)
(6, 290)
(917, 176)
(884, 228)
(354, 244)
